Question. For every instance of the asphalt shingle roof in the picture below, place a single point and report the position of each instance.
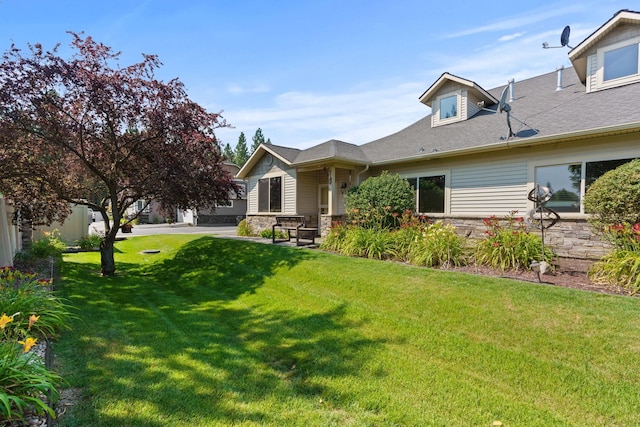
(536, 102)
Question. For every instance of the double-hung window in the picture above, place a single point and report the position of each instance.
(270, 194)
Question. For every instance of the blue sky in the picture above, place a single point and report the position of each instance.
(306, 72)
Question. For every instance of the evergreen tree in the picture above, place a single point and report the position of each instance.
(268, 141)
(241, 152)
(258, 139)
(228, 153)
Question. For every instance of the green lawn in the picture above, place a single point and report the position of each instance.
(216, 332)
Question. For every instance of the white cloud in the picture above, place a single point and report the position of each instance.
(236, 89)
(519, 21)
(512, 36)
(302, 119)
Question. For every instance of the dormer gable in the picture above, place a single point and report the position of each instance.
(454, 99)
(610, 57)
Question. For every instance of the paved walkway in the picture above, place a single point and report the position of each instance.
(226, 231)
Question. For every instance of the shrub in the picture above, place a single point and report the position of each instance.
(438, 245)
(509, 245)
(49, 244)
(33, 309)
(90, 242)
(378, 201)
(334, 240)
(619, 268)
(411, 230)
(614, 198)
(24, 382)
(28, 311)
(244, 229)
(267, 233)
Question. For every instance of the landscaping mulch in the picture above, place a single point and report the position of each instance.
(566, 272)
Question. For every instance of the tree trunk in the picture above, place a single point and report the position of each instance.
(27, 233)
(107, 262)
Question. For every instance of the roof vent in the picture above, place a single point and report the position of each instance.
(511, 82)
(559, 70)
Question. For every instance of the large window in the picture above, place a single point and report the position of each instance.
(429, 193)
(565, 181)
(621, 62)
(270, 194)
(449, 107)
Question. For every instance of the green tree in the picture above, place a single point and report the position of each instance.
(228, 153)
(241, 154)
(258, 139)
(380, 200)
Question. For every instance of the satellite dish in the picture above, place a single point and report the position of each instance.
(503, 106)
(564, 40)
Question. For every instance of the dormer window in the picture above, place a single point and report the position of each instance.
(448, 107)
(620, 62)
(454, 99)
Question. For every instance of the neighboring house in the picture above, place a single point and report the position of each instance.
(229, 213)
(10, 235)
(462, 159)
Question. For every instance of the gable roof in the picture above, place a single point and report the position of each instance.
(540, 114)
(554, 114)
(578, 54)
(427, 97)
(330, 151)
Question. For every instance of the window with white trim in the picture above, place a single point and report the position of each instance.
(228, 204)
(565, 181)
(448, 107)
(430, 193)
(270, 194)
(619, 63)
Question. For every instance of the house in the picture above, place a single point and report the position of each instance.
(228, 213)
(231, 212)
(10, 235)
(480, 152)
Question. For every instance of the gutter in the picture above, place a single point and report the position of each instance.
(591, 133)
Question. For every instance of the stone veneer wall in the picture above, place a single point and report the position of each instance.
(326, 221)
(259, 223)
(569, 238)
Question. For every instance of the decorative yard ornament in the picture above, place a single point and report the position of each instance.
(543, 218)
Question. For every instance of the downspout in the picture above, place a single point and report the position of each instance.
(360, 173)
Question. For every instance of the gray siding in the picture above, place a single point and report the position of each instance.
(492, 189)
(307, 193)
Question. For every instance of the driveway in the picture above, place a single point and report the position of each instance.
(178, 228)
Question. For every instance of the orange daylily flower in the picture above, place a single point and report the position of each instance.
(33, 319)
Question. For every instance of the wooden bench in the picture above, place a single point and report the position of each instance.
(295, 224)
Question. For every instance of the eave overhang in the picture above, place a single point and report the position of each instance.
(428, 96)
(626, 128)
(578, 57)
